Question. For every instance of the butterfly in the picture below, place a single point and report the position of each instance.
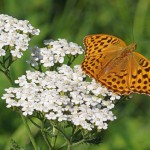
(116, 65)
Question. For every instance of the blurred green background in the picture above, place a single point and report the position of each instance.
(72, 20)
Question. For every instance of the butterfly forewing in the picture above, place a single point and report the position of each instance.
(96, 65)
(100, 50)
(100, 42)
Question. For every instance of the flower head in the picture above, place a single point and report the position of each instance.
(54, 52)
(15, 34)
(63, 95)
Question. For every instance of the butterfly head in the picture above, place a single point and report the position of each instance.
(132, 46)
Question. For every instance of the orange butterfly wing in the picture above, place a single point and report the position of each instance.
(97, 43)
(115, 65)
(140, 74)
(100, 50)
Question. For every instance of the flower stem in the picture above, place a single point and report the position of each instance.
(63, 145)
(65, 137)
(7, 74)
(46, 140)
(45, 137)
(63, 134)
(9, 78)
(54, 138)
(69, 146)
(77, 143)
(29, 133)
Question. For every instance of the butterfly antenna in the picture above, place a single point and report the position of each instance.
(132, 30)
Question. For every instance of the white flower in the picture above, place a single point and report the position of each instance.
(63, 95)
(21, 81)
(16, 34)
(2, 52)
(16, 53)
(54, 52)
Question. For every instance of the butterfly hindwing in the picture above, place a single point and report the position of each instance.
(117, 81)
(140, 75)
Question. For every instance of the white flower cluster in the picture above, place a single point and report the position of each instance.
(15, 34)
(63, 95)
(54, 52)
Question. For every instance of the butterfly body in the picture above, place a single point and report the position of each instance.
(115, 65)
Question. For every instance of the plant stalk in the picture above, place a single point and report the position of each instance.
(29, 133)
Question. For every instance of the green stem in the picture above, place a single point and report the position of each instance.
(29, 133)
(71, 59)
(43, 133)
(9, 78)
(66, 138)
(34, 123)
(63, 145)
(54, 137)
(77, 143)
(69, 146)
(46, 139)
(6, 73)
